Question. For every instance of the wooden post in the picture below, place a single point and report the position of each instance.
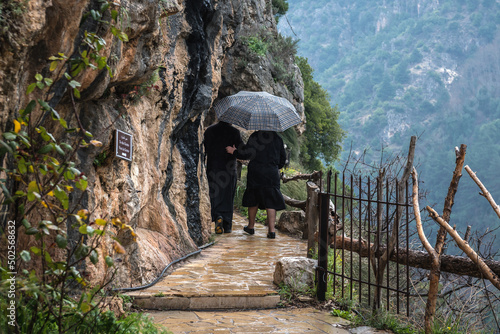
(311, 217)
(323, 247)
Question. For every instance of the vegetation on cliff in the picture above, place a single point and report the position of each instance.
(402, 68)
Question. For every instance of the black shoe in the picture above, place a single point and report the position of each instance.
(249, 230)
(218, 226)
(271, 235)
(227, 227)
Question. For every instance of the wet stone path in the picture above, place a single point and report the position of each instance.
(228, 288)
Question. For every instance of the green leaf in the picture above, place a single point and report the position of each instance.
(78, 69)
(26, 223)
(31, 88)
(109, 261)
(59, 149)
(62, 196)
(28, 109)
(114, 14)
(21, 166)
(31, 231)
(25, 256)
(55, 114)
(36, 250)
(53, 65)
(104, 7)
(61, 241)
(38, 77)
(48, 81)
(45, 105)
(94, 257)
(67, 146)
(101, 62)
(76, 93)
(74, 84)
(6, 146)
(82, 184)
(32, 186)
(10, 135)
(74, 170)
(85, 307)
(83, 229)
(46, 149)
(123, 36)
(88, 134)
(69, 175)
(33, 191)
(47, 257)
(95, 14)
(40, 85)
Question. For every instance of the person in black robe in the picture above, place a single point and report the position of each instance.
(267, 156)
(221, 173)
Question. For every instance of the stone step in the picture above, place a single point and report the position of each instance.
(221, 302)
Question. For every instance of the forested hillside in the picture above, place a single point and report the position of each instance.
(397, 68)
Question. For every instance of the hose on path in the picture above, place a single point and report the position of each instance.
(142, 287)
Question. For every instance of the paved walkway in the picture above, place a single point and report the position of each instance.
(228, 288)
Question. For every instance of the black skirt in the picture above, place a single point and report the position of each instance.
(264, 198)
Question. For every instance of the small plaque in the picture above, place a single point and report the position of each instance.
(123, 147)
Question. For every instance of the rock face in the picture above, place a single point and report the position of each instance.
(178, 60)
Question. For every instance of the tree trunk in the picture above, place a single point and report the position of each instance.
(435, 273)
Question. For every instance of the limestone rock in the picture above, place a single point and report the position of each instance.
(295, 272)
(293, 223)
(165, 79)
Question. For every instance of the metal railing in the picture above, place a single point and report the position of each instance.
(358, 220)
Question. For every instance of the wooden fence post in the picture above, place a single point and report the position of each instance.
(311, 217)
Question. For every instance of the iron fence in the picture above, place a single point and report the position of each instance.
(359, 219)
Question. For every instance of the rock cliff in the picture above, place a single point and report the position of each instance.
(180, 57)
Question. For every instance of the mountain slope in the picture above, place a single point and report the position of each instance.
(416, 67)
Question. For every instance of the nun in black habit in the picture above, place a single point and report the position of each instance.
(221, 172)
(267, 156)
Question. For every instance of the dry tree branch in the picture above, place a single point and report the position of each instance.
(485, 191)
(416, 210)
(315, 176)
(483, 267)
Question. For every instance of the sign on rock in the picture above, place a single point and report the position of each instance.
(123, 145)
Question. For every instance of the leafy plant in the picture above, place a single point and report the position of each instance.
(280, 7)
(256, 45)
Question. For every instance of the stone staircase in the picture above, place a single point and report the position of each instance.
(235, 273)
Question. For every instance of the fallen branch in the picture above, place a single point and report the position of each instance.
(458, 265)
(483, 267)
(315, 176)
(295, 203)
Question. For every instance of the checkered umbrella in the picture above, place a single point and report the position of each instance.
(257, 111)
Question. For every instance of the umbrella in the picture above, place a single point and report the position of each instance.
(257, 111)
